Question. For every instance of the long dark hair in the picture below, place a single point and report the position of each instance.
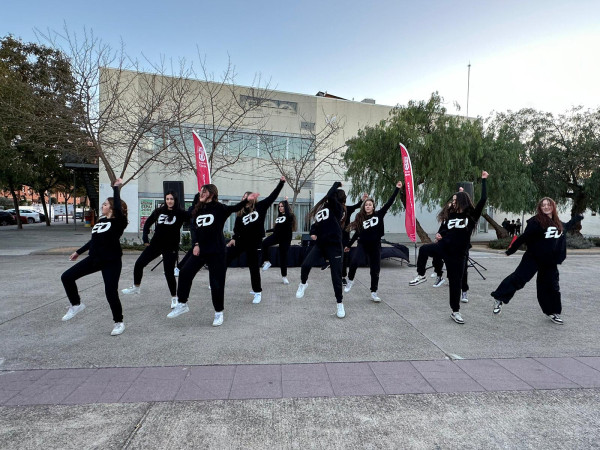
(111, 202)
(249, 206)
(164, 207)
(361, 216)
(546, 221)
(287, 211)
(340, 196)
(211, 189)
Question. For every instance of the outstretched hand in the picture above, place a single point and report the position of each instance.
(484, 174)
(253, 196)
(364, 196)
(282, 178)
(118, 182)
(399, 184)
(73, 256)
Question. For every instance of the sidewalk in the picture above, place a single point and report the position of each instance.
(287, 373)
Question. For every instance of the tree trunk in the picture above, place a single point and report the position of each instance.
(16, 205)
(423, 236)
(43, 198)
(66, 209)
(500, 231)
(579, 207)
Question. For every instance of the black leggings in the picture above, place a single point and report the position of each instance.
(332, 253)
(372, 251)
(111, 272)
(169, 260)
(251, 251)
(547, 283)
(455, 265)
(216, 277)
(284, 247)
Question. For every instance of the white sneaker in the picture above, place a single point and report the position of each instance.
(301, 289)
(457, 317)
(131, 290)
(375, 297)
(73, 311)
(433, 275)
(464, 297)
(257, 298)
(179, 309)
(439, 281)
(285, 280)
(218, 319)
(176, 272)
(349, 284)
(340, 311)
(174, 301)
(118, 329)
(266, 265)
(417, 280)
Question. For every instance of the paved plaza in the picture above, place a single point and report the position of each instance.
(287, 373)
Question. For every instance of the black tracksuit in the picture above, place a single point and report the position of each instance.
(282, 235)
(369, 242)
(105, 256)
(207, 231)
(165, 242)
(328, 245)
(454, 245)
(248, 231)
(546, 248)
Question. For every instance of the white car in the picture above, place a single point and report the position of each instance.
(32, 216)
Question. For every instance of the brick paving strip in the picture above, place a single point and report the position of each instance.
(235, 382)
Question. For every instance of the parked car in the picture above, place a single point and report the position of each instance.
(7, 218)
(27, 215)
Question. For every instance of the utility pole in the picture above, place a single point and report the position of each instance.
(468, 85)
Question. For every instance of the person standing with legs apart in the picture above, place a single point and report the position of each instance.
(285, 225)
(346, 236)
(546, 248)
(369, 229)
(326, 231)
(248, 231)
(168, 219)
(453, 244)
(208, 218)
(104, 256)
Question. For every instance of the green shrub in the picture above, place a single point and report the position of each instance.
(577, 241)
(502, 244)
(595, 241)
(131, 244)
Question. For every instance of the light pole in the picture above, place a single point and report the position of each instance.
(468, 85)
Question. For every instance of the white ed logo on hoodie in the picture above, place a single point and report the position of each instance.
(280, 219)
(372, 222)
(552, 232)
(458, 223)
(252, 217)
(322, 215)
(205, 220)
(101, 227)
(164, 219)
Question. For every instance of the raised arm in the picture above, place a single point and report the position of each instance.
(271, 198)
(483, 199)
(390, 202)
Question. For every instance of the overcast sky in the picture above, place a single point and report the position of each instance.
(540, 54)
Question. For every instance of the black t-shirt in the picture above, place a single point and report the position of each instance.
(105, 244)
(168, 225)
(250, 228)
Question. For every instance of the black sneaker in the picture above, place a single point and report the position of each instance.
(556, 319)
(344, 282)
(325, 266)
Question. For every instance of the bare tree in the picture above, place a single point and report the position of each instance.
(126, 108)
(228, 117)
(320, 150)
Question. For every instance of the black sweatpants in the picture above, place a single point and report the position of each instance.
(252, 261)
(373, 254)
(169, 260)
(216, 276)
(455, 265)
(547, 283)
(111, 272)
(284, 247)
(332, 253)
(438, 268)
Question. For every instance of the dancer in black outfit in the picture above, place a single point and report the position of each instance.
(248, 231)
(285, 225)
(329, 215)
(105, 256)
(209, 217)
(452, 246)
(546, 248)
(369, 229)
(346, 235)
(168, 218)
